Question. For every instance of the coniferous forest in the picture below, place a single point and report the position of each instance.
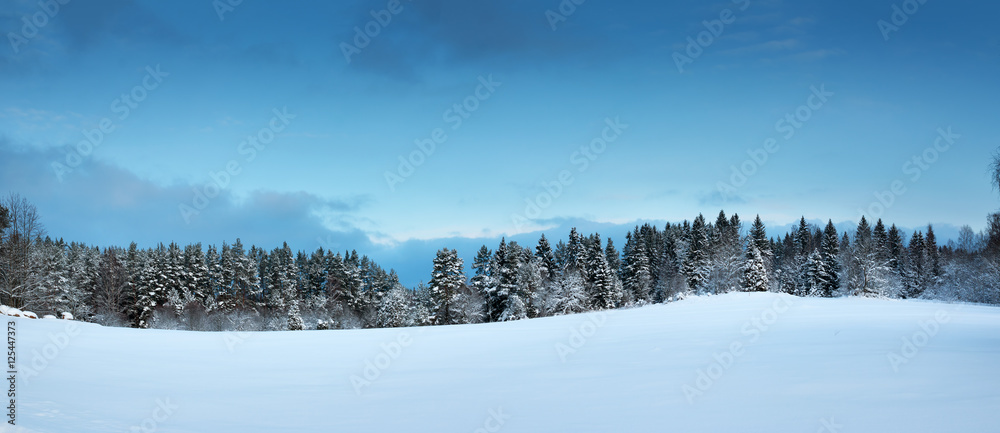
(235, 287)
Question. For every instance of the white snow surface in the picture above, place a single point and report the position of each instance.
(805, 365)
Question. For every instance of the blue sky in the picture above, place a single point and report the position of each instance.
(557, 83)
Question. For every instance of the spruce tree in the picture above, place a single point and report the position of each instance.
(196, 278)
(214, 264)
(758, 235)
(696, 261)
(933, 255)
(754, 277)
(894, 248)
(638, 278)
(613, 258)
(602, 284)
(830, 247)
(915, 267)
(482, 280)
(446, 286)
(546, 259)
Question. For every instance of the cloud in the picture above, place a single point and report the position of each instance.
(76, 28)
(717, 198)
(106, 205)
(430, 33)
(89, 24)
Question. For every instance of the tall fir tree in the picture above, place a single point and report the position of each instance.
(482, 280)
(696, 262)
(638, 279)
(830, 254)
(446, 287)
(754, 277)
(546, 259)
(602, 284)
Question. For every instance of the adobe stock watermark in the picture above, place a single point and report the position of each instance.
(829, 426)
(581, 159)
(234, 339)
(915, 168)
(222, 7)
(455, 116)
(787, 126)
(697, 44)
(40, 360)
(374, 367)
(721, 362)
(123, 106)
(220, 180)
(363, 35)
(161, 413)
(579, 335)
(911, 345)
(900, 15)
(563, 11)
(32, 25)
(494, 422)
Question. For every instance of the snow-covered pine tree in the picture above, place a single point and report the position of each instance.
(602, 284)
(227, 298)
(830, 254)
(174, 278)
(576, 253)
(151, 293)
(483, 281)
(259, 294)
(284, 284)
(915, 267)
(111, 287)
(294, 316)
(933, 256)
(353, 283)
(196, 281)
(49, 287)
(246, 279)
(82, 262)
(530, 282)
(614, 258)
(880, 242)
(214, 264)
(505, 299)
(895, 248)
(395, 309)
(814, 275)
(638, 278)
(758, 235)
(696, 261)
(546, 259)
(725, 255)
(754, 271)
(315, 273)
(446, 287)
(803, 239)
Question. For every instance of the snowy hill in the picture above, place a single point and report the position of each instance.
(737, 362)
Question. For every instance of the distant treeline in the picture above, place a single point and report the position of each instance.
(234, 288)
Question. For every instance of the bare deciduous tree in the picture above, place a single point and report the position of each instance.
(15, 250)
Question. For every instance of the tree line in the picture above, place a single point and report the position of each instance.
(235, 288)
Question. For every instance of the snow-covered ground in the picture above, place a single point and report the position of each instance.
(738, 362)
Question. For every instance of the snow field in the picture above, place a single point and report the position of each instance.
(736, 362)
